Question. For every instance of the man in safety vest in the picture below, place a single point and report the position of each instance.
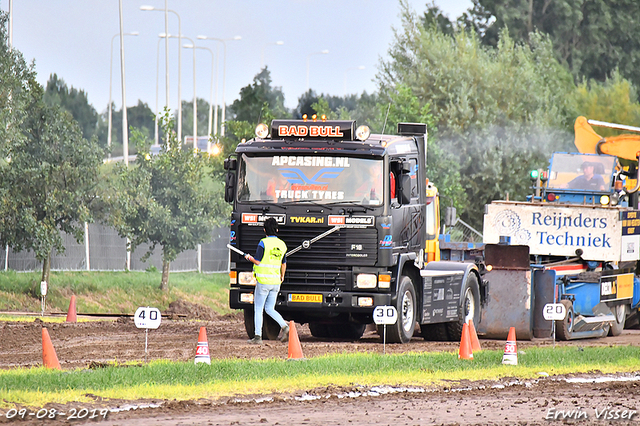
(269, 266)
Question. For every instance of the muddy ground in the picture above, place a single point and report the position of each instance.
(505, 402)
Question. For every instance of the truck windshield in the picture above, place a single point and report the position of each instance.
(581, 172)
(320, 179)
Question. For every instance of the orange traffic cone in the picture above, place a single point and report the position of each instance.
(71, 313)
(49, 357)
(202, 351)
(475, 343)
(465, 344)
(295, 350)
(510, 349)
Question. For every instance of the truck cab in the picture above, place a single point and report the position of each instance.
(356, 213)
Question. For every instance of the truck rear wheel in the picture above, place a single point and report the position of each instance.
(469, 308)
(402, 330)
(564, 328)
(270, 328)
(620, 312)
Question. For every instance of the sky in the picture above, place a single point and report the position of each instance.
(74, 39)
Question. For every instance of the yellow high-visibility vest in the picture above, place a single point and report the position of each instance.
(268, 271)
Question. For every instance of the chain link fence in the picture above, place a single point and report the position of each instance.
(104, 250)
(462, 232)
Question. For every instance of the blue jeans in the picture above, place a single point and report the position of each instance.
(264, 299)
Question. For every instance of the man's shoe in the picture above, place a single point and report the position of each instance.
(285, 334)
(257, 340)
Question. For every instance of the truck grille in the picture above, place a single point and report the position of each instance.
(327, 254)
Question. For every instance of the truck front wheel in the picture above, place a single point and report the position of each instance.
(270, 328)
(402, 330)
(469, 308)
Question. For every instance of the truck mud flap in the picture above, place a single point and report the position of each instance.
(510, 298)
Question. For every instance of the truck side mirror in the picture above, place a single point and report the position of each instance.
(230, 163)
(404, 196)
(450, 216)
(229, 186)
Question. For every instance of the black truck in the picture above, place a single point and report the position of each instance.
(361, 222)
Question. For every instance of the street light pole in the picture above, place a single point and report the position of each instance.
(344, 90)
(125, 125)
(157, 139)
(166, 31)
(224, 73)
(134, 33)
(324, 52)
(195, 99)
(213, 71)
(277, 43)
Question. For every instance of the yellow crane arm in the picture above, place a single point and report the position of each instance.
(589, 142)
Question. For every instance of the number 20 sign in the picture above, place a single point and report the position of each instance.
(146, 317)
(554, 312)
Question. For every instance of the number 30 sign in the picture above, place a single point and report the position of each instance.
(385, 315)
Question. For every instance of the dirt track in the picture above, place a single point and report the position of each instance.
(78, 345)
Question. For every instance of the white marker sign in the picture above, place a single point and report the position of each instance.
(385, 315)
(146, 317)
(554, 312)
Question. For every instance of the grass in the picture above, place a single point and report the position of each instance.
(112, 292)
(180, 380)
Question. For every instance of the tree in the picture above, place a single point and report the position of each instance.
(305, 104)
(252, 98)
(50, 182)
(162, 199)
(16, 84)
(500, 111)
(433, 17)
(74, 101)
(613, 100)
(592, 37)
(203, 118)
(139, 116)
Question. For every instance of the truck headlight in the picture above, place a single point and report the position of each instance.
(247, 278)
(366, 281)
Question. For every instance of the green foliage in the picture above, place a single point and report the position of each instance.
(592, 37)
(161, 199)
(613, 100)
(202, 120)
(250, 106)
(433, 17)
(50, 182)
(16, 84)
(74, 101)
(140, 116)
(362, 108)
(497, 111)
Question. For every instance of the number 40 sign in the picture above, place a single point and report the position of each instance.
(146, 317)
